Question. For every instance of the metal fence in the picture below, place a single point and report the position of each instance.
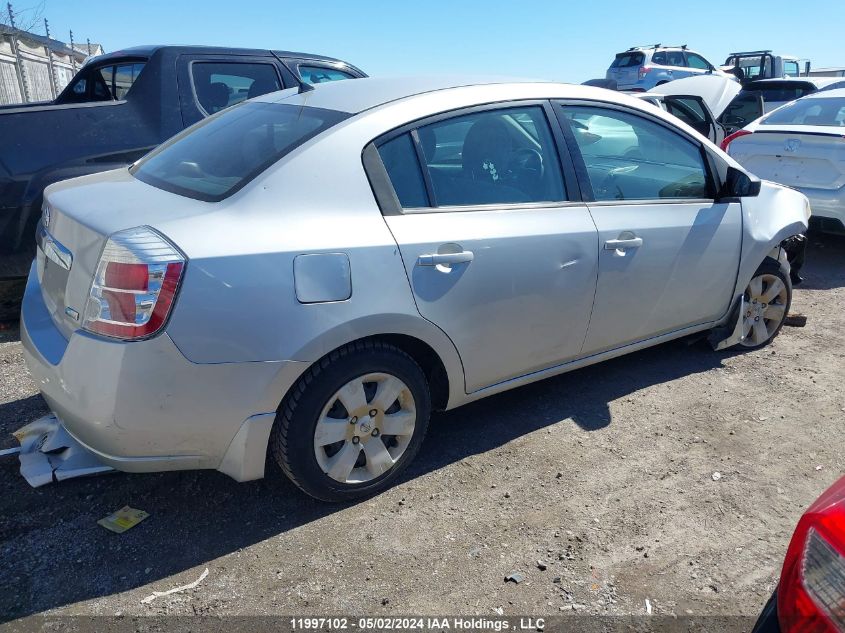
(35, 68)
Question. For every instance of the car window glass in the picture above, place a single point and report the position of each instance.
(629, 157)
(124, 76)
(675, 58)
(493, 157)
(625, 60)
(687, 109)
(659, 58)
(742, 110)
(790, 69)
(218, 156)
(697, 61)
(322, 74)
(811, 111)
(220, 85)
(403, 168)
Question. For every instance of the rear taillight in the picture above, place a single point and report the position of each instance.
(134, 286)
(730, 138)
(644, 70)
(811, 593)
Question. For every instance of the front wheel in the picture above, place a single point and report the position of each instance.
(767, 300)
(353, 422)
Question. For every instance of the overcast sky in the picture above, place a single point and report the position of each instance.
(557, 40)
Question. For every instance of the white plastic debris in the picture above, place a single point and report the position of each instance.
(716, 476)
(819, 467)
(48, 453)
(647, 606)
(190, 585)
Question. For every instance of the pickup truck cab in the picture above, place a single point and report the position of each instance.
(118, 107)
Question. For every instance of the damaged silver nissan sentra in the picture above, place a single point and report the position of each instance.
(306, 276)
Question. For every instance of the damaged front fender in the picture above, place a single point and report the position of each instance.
(773, 216)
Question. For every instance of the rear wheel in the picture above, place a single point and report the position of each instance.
(767, 300)
(353, 422)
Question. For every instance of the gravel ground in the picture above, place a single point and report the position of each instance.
(604, 475)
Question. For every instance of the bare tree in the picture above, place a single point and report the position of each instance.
(26, 19)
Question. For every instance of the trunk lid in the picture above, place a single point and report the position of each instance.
(626, 67)
(814, 158)
(83, 213)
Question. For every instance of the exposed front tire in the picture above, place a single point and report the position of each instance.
(767, 300)
(353, 422)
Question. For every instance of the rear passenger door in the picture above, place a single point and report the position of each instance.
(669, 252)
(211, 83)
(678, 64)
(499, 251)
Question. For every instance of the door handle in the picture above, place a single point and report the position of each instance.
(621, 245)
(447, 259)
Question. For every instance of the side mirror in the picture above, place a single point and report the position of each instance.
(739, 184)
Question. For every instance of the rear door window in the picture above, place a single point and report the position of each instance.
(659, 58)
(675, 58)
(503, 156)
(218, 85)
(214, 158)
(322, 74)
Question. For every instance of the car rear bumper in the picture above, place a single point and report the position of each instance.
(826, 203)
(768, 620)
(143, 407)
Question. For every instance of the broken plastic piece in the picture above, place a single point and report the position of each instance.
(190, 585)
(515, 577)
(125, 518)
(48, 453)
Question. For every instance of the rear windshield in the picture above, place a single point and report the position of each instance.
(813, 111)
(782, 91)
(624, 60)
(218, 156)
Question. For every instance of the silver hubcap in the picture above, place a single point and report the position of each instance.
(765, 309)
(365, 428)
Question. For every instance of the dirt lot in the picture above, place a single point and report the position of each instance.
(604, 475)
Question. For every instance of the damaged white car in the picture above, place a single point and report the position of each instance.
(315, 272)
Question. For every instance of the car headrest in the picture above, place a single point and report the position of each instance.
(487, 149)
(214, 97)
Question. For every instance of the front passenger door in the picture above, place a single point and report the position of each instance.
(669, 252)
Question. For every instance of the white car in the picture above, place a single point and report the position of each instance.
(801, 145)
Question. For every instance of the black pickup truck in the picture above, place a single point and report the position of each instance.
(117, 108)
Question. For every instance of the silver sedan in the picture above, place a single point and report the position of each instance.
(317, 270)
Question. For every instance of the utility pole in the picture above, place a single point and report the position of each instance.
(13, 41)
(72, 53)
(88, 40)
(54, 82)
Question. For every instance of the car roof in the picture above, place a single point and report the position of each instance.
(818, 82)
(149, 50)
(835, 93)
(364, 94)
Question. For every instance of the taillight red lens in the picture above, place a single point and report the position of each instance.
(644, 70)
(134, 286)
(811, 593)
(732, 137)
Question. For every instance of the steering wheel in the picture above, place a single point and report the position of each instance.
(527, 162)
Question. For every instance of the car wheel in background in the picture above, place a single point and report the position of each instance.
(767, 300)
(353, 422)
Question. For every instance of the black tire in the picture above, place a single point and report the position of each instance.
(11, 294)
(292, 437)
(770, 267)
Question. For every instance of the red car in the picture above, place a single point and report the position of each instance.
(810, 597)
